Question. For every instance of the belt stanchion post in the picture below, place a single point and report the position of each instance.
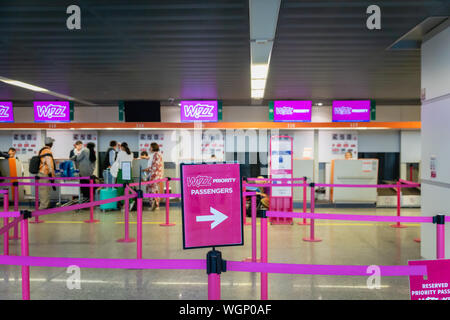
(215, 265)
(244, 202)
(24, 253)
(91, 199)
(264, 256)
(140, 195)
(399, 204)
(127, 219)
(167, 223)
(16, 208)
(305, 207)
(254, 248)
(36, 199)
(5, 222)
(313, 204)
(439, 220)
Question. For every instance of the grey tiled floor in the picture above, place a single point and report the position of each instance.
(360, 243)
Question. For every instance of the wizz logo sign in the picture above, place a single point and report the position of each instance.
(343, 110)
(285, 111)
(199, 181)
(198, 111)
(51, 111)
(4, 111)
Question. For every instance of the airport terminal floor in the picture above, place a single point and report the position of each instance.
(271, 153)
(343, 243)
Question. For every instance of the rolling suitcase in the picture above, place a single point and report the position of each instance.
(108, 193)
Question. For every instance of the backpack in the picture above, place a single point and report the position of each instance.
(35, 162)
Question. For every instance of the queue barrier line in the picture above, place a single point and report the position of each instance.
(45, 178)
(10, 214)
(4, 191)
(349, 217)
(276, 179)
(162, 195)
(409, 182)
(45, 184)
(388, 186)
(80, 206)
(200, 264)
(11, 224)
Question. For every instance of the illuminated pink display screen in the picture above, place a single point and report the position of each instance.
(212, 208)
(351, 111)
(292, 111)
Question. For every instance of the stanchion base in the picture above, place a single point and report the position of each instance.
(250, 260)
(36, 222)
(123, 240)
(398, 226)
(417, 240)
(311, 240)
(301, 223)
(166, 224)
(91, 221)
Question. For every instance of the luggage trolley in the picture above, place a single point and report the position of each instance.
(66, 168)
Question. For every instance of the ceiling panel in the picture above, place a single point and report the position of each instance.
(323, 50)
(127, 49)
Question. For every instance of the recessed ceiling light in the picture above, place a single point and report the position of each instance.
(259, 71)
(257, 94)
(258, 84)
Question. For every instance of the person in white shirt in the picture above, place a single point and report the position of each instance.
(124, 155)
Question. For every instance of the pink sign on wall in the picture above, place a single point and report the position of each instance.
(436, 285)
(212, 208)
(199, 111)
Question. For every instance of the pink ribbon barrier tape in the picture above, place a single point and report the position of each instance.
(10, 225)
(148, 182)
(331, 185)
(4, 191)
(336, 270)
(275, 179)
(71, 184)
(199, 264)
(6, 184)
(409, 182)
(350, 217)
(178, 264)
(12, 214)
(162, 195)
(45, 178)
(249, 193)
(44, 212)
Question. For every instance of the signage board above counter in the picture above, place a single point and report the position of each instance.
(351, 111)
(6, 111)
(200, 110)
(52, 111)
(290, 110)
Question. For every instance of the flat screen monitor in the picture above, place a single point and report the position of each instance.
(199, 111)
(6, 111)
(292, 111)
(142, 111)
(351, 111)
(51, 111)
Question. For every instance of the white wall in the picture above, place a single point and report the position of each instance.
(378, 141)
(410, 147)
(435, 137)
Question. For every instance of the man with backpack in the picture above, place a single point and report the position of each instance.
(46, 169)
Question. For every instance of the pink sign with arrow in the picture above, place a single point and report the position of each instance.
(212, 215)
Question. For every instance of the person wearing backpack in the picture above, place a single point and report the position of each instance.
(46, 169)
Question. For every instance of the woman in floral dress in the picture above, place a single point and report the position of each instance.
(155, 172)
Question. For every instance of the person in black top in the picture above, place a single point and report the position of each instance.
(111, 155)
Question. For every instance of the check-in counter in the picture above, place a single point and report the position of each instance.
(13, 168)
(363, 171)
(303, 168)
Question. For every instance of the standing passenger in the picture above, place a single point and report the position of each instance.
(156, 171)
(124, 155)
(46, 169)
(85, 161)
